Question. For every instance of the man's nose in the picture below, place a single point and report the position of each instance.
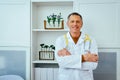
(75, 23)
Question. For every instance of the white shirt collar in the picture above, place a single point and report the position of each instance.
(80, 40)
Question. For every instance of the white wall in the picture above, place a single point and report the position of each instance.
(101, 20)
(15, 37)
(14, 22)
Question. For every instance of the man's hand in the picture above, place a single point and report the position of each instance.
(90, 57)
(63, 52)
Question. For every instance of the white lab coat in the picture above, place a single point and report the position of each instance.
(71, 67)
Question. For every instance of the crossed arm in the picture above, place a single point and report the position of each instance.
(88, 57)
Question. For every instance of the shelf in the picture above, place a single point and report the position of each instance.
(51, 0)
(45, 61)
(50, 30)
(40, 11)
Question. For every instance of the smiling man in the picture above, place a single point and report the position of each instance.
(76, 52)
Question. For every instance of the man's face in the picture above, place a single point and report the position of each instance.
(75, 23)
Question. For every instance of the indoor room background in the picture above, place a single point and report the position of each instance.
(22, 31)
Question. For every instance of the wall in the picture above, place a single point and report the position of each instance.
(101, 20)
(15, 37)
(14, 22)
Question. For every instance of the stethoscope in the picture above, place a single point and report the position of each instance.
(87, 43)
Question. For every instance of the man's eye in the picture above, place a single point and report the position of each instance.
(78, 22)
(72, 21)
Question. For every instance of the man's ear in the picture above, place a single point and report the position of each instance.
(82, 23)
(67, 24)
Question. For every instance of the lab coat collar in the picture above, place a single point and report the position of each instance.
(80, 40)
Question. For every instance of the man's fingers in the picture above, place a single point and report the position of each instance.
(59, 53)
(91, 57)
(63, 52)
(95, 55)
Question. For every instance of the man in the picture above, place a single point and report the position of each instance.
(76, 52)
